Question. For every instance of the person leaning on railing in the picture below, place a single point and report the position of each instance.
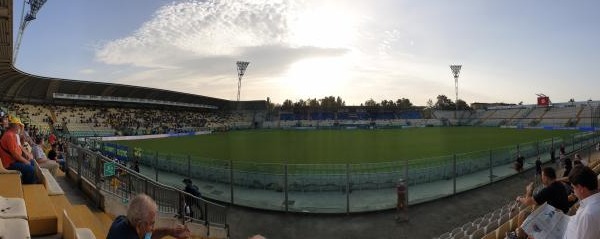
(140, 220)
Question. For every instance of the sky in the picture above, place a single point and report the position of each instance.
(382, 49)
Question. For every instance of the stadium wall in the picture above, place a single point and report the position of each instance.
(154, 136)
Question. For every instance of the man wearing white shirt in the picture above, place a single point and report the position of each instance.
(585, 224)
(40, 157)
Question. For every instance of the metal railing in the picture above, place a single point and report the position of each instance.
(124, 183)
(345, 188)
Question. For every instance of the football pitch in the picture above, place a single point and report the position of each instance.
(342, 146)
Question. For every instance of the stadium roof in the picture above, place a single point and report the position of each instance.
(16, 85)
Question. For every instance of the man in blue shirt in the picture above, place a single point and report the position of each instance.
(140, 220)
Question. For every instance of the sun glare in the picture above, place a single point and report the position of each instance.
(317, 77)
(324, 26)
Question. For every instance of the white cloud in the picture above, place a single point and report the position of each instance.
(198, 29)
(195, 42)
(87, 71)
(192, 46)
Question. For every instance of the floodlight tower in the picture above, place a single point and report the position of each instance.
(455, 71)
(34, 7)
(241, 66)
(589, 103)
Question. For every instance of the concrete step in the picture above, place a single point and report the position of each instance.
(60, 203)
(83, 217)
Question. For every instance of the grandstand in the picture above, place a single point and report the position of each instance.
(90, 109)
(80, 108)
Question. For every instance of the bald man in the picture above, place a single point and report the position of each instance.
(140, 220)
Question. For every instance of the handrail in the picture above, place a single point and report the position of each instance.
(126, 183)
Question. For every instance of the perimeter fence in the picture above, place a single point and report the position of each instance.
(342, 187)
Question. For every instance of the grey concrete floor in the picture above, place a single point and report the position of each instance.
(427, 220)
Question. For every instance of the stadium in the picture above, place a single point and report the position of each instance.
(283, 171)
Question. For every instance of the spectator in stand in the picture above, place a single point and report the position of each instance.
(135, 165)
(580, 160)
(585, 223)
(538, 167)
(519, 163)
(52, 154)
(568, 166)
(552, 155)
(562, 149)
(51, 139)
(12, 154)
(24, 136)
(40, 157)
(554, 192)
(3, 124)
(140, 220)
(60, 157)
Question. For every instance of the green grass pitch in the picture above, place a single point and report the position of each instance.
(342, 146)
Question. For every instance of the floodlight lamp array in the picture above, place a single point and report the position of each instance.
(455, 70)
(35, 6)
(242, 65)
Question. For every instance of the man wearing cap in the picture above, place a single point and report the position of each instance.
(12, 153)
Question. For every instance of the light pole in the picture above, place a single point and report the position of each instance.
(455, 71)
(589, 103)
(241, 66)
(34, 7)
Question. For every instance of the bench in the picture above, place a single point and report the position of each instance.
(14, 228)
(502, 230)
(60, 203)
(12, 208)
(42, 218)
(51, 184)
(83, 217)
(105, 220)
(4, 170)
(11, 185)
(45, 177)
(71, 232)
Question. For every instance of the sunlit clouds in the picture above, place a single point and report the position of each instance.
(354, 49)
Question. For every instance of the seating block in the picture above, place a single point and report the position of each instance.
(104, 219)
(42, 218)
(60, 203)
(71, 232)
(502, 230)
(14, 228)
(84, 218)
(11, 185)
(491, 235)
(13, 208)
(51, 184)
